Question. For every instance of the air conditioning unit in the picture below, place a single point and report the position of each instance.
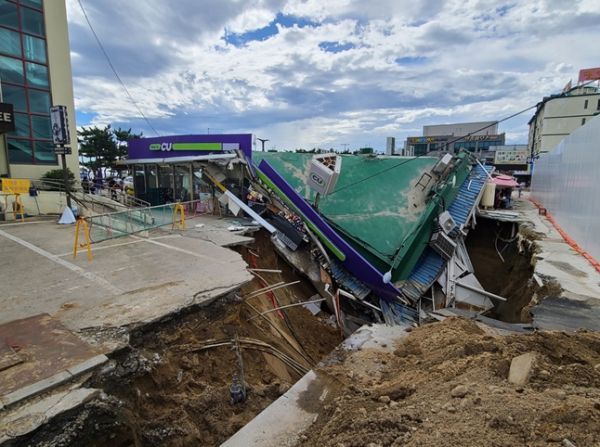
(441, 166)
(447, 223)
(323, 173)
(442, 244)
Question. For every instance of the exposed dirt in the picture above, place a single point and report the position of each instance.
(167, 392)
(509, 276)
(446, 385)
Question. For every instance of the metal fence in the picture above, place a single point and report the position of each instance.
(122, 223)
(566, 182)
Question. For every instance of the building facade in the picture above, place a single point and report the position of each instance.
(557, 116)
(436, 139)
(35, 73)
(170, 168)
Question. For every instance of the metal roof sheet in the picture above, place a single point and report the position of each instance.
(430, 265)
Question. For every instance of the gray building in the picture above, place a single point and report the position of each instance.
(474, 137)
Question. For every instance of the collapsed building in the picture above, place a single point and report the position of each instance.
(381, 238)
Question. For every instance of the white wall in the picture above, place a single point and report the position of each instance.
(566, 182)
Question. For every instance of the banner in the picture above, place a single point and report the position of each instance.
(15, 185)
(589, 74)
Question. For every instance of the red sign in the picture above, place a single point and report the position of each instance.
(589, 74)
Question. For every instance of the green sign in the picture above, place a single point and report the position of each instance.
(168, 147)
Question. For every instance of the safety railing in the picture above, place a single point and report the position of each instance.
(135, 220)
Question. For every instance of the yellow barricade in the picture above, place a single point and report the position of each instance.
(82, 224)
(181, 221)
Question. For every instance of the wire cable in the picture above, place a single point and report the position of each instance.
(453, 141)
(112, 67)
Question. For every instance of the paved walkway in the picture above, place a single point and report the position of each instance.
(131, 280)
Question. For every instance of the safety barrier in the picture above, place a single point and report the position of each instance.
(122, 223)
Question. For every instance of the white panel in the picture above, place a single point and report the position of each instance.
(566, 182)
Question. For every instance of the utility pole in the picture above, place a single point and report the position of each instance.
(263, 141)
(345, 146)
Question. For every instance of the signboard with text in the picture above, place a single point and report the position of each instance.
(7, 118)
(60, 125)
(15, 185)
(510, 157)
(188, 145)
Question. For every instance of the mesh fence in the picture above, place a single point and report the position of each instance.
(123, 223)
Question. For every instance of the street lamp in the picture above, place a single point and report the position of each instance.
(263, 141)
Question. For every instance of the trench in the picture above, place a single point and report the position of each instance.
(503, 267)
(168, 389)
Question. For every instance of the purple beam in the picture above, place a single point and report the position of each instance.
(354, 262)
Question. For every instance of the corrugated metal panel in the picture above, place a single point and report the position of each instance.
(461, 208)
(430, 265)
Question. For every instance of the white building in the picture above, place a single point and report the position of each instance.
(390, 146)
(461, 129)
(557, 116)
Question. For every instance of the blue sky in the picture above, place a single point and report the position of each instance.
(325, 74)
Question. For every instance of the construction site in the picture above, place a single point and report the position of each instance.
(295, 299)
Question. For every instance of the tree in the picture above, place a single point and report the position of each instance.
(103, 146)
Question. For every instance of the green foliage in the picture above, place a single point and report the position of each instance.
(55, 177)
(104, 146)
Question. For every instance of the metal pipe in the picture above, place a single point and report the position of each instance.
(285, 307)
(254, 295)
(476, 289)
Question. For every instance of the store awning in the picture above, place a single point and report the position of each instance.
(173, 160)
(505, 181)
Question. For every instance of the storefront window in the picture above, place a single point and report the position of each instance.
(151, 177)
(183, 183)
(139, 179)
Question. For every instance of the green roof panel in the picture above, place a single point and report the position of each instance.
(375, 202)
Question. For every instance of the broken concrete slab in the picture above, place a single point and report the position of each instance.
(28, 417)
(131, 280)
(296, 410)
(521, 368)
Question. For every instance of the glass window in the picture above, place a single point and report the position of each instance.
(41, 128)
(9, 42)
(8, 14)
(585, 104)
(16, 96)
(34, 48)
(44, 153)
(37, 75)
(34, 3)
(20, 151)
(21, 125)
(139, 179)
(11, 70)
(32, 21)
(39, 102)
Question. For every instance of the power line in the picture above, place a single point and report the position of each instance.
(112, 67)
(451, 141)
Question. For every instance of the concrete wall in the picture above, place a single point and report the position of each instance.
(61, 82)
(48, 202)
(565, 181)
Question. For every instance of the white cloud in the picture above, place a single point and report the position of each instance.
(403, 64)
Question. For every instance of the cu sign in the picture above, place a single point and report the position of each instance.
(317, 179)
(164, 147)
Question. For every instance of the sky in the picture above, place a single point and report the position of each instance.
(325, 73)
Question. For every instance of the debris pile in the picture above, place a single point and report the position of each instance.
(447, 384)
